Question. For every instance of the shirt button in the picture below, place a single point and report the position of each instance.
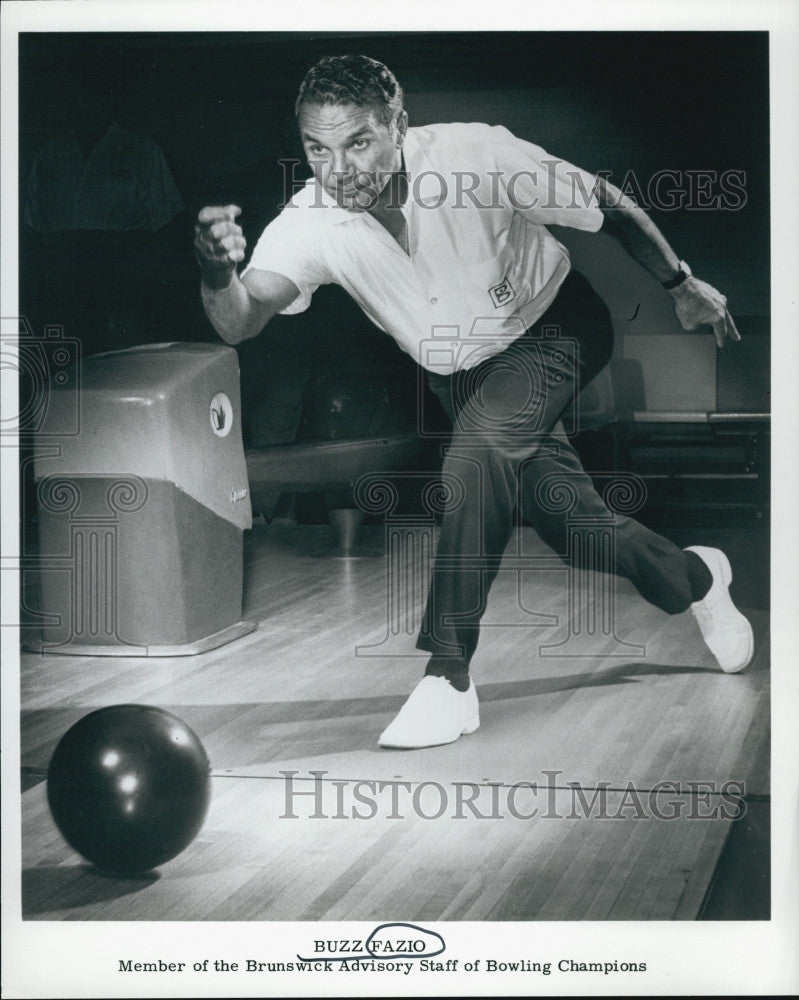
(434, 301)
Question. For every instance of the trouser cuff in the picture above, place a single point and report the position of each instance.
(454, 669)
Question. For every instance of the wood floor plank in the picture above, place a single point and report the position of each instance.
(297, 695)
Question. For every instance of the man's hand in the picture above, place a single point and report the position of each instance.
(219, 244)
(697, 303)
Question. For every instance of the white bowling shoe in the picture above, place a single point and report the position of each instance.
(725, 630)
(435, 713)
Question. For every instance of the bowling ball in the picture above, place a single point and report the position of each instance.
(128, 787)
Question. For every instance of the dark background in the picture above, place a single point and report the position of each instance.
(220, 106)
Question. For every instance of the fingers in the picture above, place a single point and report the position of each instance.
(215, 213)
(236, 253)
(697, 304)
(218, 239)
(724, 329)
(216, 223)
(221, 230)
(732, 329)
(223, 252)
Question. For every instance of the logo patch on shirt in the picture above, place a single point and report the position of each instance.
(502, 293)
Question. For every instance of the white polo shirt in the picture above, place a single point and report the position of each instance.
(481, 266)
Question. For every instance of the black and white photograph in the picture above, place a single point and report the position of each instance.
(398, 505)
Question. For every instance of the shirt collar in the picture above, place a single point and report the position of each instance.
(424, 185)
(320, 197)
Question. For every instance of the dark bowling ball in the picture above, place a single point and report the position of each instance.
(128, 787)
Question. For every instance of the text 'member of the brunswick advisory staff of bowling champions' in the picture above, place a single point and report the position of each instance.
(445, 226)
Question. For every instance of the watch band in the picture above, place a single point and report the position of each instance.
(683, 272)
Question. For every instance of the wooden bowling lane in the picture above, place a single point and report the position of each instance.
(294, 696)
(253, 861)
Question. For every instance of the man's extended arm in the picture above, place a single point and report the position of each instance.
(237, 309)
(695, 302)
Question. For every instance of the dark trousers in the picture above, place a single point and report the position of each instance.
(508, 453)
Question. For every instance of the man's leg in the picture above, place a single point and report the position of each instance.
(505, 412)
(669, 577)
(502, 411)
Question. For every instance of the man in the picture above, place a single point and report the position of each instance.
(439, 234)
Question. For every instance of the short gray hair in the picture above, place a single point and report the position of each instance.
(355, 80)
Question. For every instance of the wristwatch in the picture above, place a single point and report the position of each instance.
(683, 272)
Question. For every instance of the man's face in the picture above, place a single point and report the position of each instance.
(351, 152)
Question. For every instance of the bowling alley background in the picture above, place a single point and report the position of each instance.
(220, 107)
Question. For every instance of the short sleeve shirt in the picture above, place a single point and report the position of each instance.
(482, 266)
